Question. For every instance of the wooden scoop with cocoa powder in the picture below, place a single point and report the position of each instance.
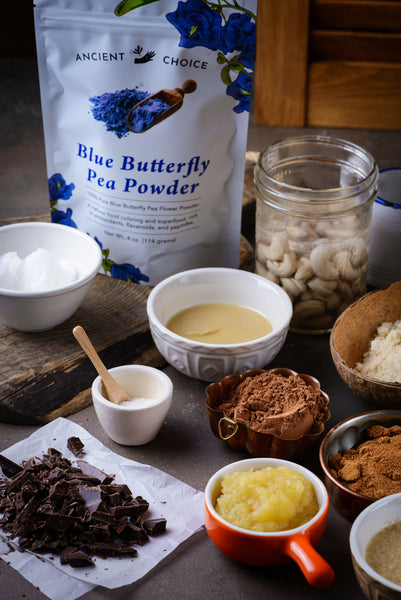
(290, 424)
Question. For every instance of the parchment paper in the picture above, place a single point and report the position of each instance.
(168, 497)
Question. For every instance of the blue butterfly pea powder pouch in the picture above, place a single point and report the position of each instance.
(145, 111)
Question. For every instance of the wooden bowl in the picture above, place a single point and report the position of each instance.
(350, 338)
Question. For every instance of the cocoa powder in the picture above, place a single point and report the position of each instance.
(374, 467)
(270, 402)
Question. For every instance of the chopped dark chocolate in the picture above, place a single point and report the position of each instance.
(89, 469)
(154, 526)
(135, 534)
(75, 558)
(75, 445)
(76, 512)
(103, 549)
(9, 467)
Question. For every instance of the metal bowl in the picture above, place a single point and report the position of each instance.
(345, 435)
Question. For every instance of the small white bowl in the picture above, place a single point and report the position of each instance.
(211, 362)
(136, 423)
(375, 517)
(42, 310)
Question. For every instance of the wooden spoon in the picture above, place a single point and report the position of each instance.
(114, 391)
(174, 98)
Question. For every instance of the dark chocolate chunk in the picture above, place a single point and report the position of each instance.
(103, 549)
(9, 467)
(75, 445)
(75, 558)
(155, 526)
(135, 534)
(127, 510)
(89, 469)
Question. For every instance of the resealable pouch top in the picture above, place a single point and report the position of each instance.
(145, 109)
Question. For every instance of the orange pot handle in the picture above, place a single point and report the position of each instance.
(316, 570)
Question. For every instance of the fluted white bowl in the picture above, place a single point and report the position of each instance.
(211, 362)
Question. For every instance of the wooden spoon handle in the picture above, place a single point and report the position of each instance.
(188, 87)
(115, 392)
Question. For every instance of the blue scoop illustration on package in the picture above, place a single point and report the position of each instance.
(157, 107)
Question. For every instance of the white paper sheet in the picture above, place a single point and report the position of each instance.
(168, 497)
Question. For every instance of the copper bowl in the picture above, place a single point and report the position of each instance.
(350, 339)
(242, 437)
(343, 436)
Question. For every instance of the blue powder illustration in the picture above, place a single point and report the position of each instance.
(144, 115)
(113, 107)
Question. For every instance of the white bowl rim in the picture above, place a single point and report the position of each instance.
(259, 463)
(74, 285)
(383, 201)
(358, 557)
(152, 371)
(194, 345)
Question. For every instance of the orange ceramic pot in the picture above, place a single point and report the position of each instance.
(271, 548)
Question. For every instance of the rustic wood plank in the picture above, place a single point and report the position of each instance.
(355, 95)
(368, 15)
(47, 375)
(355, 45)
(281, 62)
(44, 374)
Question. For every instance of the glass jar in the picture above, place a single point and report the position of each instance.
(314, 197)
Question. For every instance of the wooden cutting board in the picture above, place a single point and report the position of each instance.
(47, 375)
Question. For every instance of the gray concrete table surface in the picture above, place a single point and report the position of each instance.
(185, 447)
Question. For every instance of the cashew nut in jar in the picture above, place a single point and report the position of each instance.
(322, 261)
(261, 269)
(275, 250)
(284, 267)
(292, 286)
(304, 270)
(322, 287)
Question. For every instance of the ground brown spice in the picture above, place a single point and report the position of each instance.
(295, 406)
(374, 467)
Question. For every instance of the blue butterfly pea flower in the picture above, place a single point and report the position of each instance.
(127, 272)
(240, 90)
(59, 189)
(238, 34)
(197, 23)
(63, 218)
(99, 242)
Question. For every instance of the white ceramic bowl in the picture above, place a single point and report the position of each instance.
(371, 520)
(137, 423)
(43, 310)
(211, 362)
(384, 265)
